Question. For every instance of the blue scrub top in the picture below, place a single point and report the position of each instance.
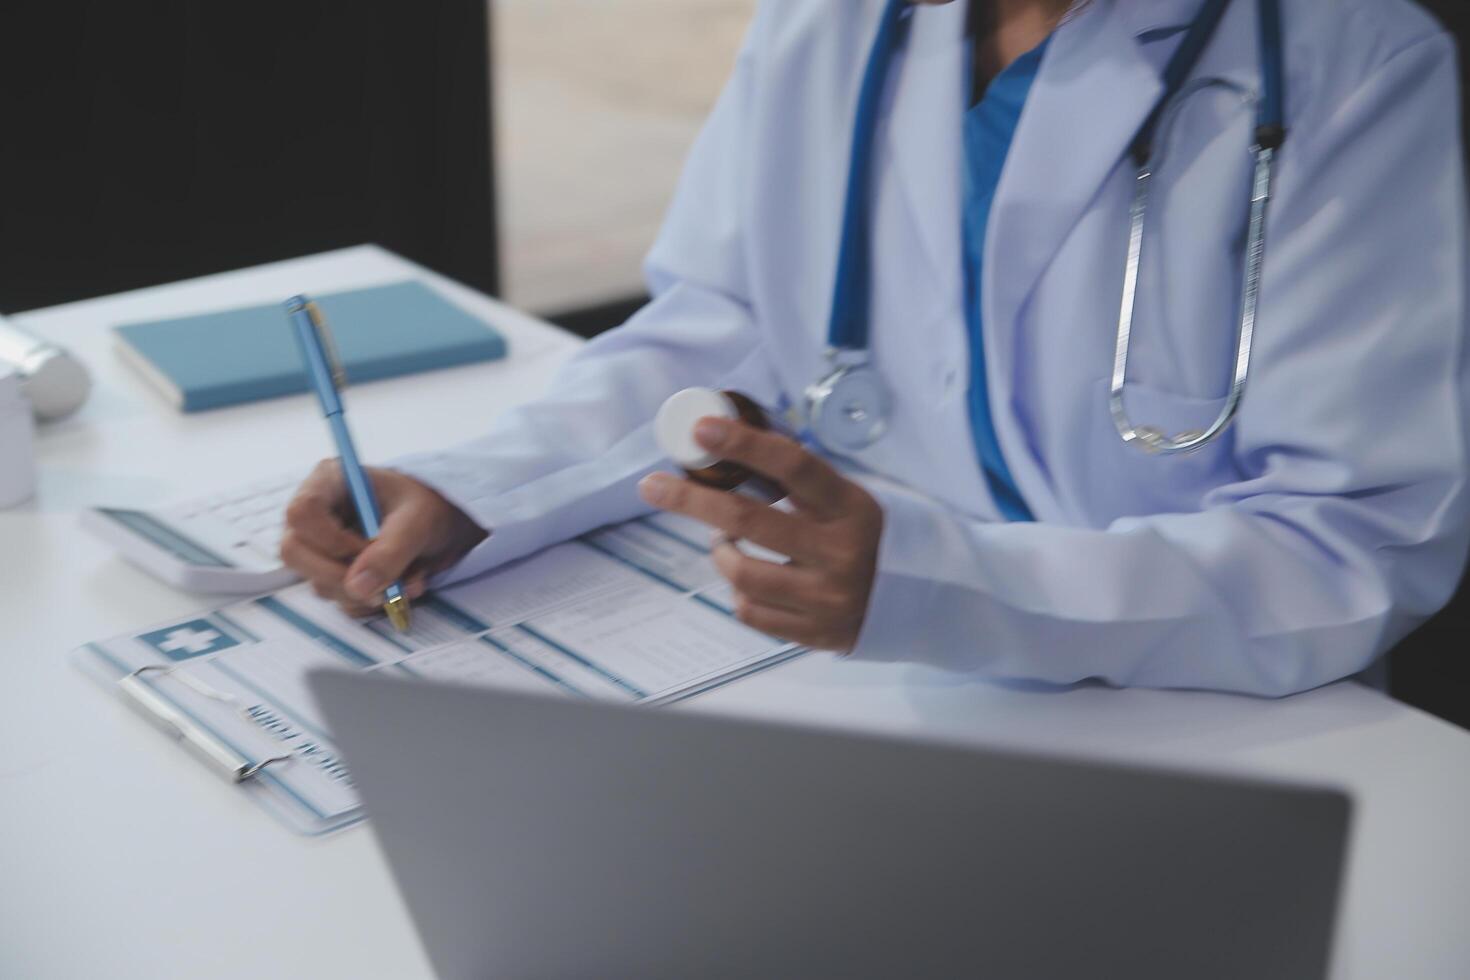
(990, 128)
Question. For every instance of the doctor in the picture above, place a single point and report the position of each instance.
(1012, 502)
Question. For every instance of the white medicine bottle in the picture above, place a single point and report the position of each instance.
(674, 430)
(17, 440)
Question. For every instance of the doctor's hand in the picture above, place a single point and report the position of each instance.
(421, 534)
(818, 599)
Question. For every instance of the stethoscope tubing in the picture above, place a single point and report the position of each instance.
(1269, 135)
(851, 378)
(1150, 438)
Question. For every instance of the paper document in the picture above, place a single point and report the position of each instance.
(635, 612)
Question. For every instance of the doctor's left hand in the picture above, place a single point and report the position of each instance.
(818, 599)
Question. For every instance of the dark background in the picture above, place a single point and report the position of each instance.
(146, 141)
(152, 140)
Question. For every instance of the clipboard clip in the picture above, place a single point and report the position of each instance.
(219, 754)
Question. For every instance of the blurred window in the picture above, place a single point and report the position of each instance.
(596, 105)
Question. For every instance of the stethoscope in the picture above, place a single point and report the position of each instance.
(849, 407)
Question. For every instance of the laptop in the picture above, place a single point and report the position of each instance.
(534, 836)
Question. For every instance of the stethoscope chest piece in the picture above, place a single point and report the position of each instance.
(848, 409)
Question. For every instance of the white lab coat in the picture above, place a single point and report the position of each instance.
(1330, 519)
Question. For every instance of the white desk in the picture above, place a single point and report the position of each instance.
(121, 856)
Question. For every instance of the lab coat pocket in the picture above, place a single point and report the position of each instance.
(1126, 480)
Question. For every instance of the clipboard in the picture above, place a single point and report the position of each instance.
(633, 612)
(244, 767)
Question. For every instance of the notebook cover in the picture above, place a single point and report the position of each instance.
(235, 356)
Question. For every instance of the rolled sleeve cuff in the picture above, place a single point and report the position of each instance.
(528, 518)
(491, 515)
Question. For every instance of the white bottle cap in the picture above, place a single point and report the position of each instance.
(674, 425)
(55, 382)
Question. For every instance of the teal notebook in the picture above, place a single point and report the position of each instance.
(219, 359)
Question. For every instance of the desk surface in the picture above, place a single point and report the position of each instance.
(120, 856)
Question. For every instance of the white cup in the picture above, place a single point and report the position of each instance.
(17, 440)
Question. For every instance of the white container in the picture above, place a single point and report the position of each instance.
(55, 382)
(673, 428)
(17, 440)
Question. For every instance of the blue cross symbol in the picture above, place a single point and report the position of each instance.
(192, 639)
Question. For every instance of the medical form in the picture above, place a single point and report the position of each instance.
(635, 612)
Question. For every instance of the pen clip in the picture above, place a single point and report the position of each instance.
(328, 344)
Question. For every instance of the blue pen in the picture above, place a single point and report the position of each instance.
(328, 380)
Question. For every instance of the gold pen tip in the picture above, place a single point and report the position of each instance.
(398, 613)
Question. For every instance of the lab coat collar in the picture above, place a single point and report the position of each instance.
(933, 84)
(925, 136)
(1096, 78)
(1095, 89)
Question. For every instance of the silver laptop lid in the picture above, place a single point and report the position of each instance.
(542, 837)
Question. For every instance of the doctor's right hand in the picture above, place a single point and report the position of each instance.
(422, 534)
